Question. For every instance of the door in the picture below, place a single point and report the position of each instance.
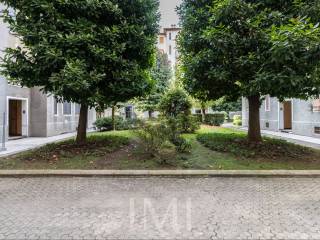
(15, 118)
(287, 114)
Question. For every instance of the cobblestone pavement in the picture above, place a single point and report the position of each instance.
(160, 208)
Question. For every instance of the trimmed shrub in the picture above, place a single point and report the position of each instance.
(198, 117)
(215, 119)
(105, 123)
(237, 120)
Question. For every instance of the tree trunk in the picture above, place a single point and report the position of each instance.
(254, 132)
(82, 126)
(113, 118)
(203, 113)
(150, 114)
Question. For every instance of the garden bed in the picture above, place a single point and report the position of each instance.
(211, 148)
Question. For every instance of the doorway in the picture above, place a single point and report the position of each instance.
(287, 115)
(15, 118)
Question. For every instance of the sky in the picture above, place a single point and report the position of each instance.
(168, 13)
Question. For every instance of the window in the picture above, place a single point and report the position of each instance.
(161, 40)
(267, 103)
(316, 105)
(77, 108)
(128, 112)
(66, 108)
(198, 111)
(170, 37)
(170, 50)
(55, 106)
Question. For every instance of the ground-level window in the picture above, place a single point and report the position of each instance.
(66, 108)
(77, 108)
(267, 103)
(170, 50)
(161, 40)
(55, 106)
(198, 111)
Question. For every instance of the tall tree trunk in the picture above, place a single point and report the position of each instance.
(82, 126)
(203, 113)
(254, 132)
(113, 118)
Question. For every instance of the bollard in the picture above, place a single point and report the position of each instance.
(3, 147)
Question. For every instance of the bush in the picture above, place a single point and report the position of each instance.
(198, 117)
(215, 119)
(105, 123)
(175, 102)
(181, 144)
(237, 120)
(153, 137)
(187, 123)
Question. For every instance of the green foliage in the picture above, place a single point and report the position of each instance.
(175, 102)
(187, 123)
(198, 117)
(161, 74)
(237, 144)
(237, 120)
(215, 119)
(222, 104)
(153, 138)
(234, 48)
(105, 123)
(89, 52)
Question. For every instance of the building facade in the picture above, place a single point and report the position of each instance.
(27, 112)
(293, 115)
(167, 43)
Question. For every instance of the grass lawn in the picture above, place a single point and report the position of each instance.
(212, 148)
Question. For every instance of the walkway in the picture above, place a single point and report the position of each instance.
(159, 208)
(24, 144)
(298, 139)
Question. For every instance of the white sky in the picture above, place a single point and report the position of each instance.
(168, 13)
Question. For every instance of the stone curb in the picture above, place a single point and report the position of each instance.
(159, 173)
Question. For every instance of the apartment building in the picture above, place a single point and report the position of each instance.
(28, 112)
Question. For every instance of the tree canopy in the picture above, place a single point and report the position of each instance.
(234, 48)
(83, 51)
(161, 73)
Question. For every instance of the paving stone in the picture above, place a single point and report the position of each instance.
(160, 208)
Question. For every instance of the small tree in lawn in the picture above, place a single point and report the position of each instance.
(248, 48)
(161, 74)
(88, 52)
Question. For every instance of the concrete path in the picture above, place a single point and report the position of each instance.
(298, 139)
(159, 208)
(24, 144)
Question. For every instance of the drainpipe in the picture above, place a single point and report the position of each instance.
(3, 147)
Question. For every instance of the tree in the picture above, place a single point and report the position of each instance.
(234, 48)
(223, 105)
(84, 51)
(176, 101)
(161, 74)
